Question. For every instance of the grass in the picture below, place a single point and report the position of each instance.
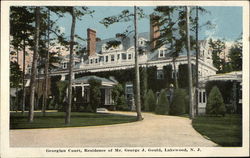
(56, 120)
(225, 131)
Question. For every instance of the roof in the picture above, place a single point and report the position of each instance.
(233, 76)
(85, 79)
(126, 42)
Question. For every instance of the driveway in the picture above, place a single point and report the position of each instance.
(153, 131)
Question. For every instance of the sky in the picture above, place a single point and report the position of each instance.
(227, 20)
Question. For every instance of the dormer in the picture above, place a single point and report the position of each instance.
(162, 52)
(142, 42)
(104, 48)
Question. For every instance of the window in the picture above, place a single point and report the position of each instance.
(160, 75)
(118, 56)
(200, 97)
(161, 53)
(129, 56)
(96, 60)
(124, 56)
(91, 61)
(107, 58)
(112, 58)
(204, 97)
(64, 65)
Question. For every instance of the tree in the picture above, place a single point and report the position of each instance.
(235, 55)
(75, 13)
(178, 105)
(215, 102)
(190, 84)
(15, 78)
(150, 101)
(162, 106)
(218, 47)
(126, 16)
(21, 29)
(34, 64)
(171, 21)
(116, 93)
(94, 93)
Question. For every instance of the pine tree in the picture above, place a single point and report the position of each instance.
(126, 16)
(218, 47)
(215, 103)
(150, 101)
(162, 106)
(34, 64)
(235, 55)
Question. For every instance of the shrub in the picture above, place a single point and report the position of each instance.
(178, 105)
(162, 106)
(121, 103)
(95, 94)
(116, 94)
(150, 101)
(61, 98)
(215, 103)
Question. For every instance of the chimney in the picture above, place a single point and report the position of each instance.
(91, 45)
(154, 30)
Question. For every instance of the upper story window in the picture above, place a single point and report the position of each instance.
(142, 42)
(91, 61)
(107, 58)
(161, 53)
(124, 56)
(129, 56)
(112, 57)
(64, 65)
(96, 60)
(118, 56)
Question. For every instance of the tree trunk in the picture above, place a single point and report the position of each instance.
(34, 65)
(23, 101)
(17, 103)
(190, 85)
(175, 74)
(72, 34)
(137, 76)
(45, 94)
(197, 65)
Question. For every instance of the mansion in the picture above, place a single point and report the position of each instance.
(100, 57)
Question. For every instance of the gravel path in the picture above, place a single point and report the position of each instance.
(153, 131)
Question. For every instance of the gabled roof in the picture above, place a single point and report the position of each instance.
(85, 80)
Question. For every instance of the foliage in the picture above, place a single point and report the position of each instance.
(178, 106)
(150, 101)
(61, 96)
(15, 74)
(21, 28)
(215, 103)
(94, 94)
(116, 93)
(225, 131)
(124, 16)
(162, 106)
(171, 21)
(113, 43)
(121, 103)
(225, 88)
(218, 47)
(235, 55)
(183, 75)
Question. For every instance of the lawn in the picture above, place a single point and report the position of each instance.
(56, 119)
(225, 131)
